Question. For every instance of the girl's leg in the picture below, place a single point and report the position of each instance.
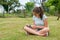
(44, 31)
(32, 31)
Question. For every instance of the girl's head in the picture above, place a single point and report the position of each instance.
(38, 12)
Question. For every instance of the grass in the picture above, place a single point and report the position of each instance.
(12, 29)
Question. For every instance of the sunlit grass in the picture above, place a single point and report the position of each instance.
(12, 29)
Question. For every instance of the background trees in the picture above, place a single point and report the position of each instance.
(52, 7)
(8, 3)
(55, 4)
(29, 6)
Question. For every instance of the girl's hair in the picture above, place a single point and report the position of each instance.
(39, 11)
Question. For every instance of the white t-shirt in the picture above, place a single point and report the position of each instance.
(38, 21)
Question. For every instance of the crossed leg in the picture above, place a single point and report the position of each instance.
(40, 33)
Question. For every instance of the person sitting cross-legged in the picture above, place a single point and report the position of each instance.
(40, 26)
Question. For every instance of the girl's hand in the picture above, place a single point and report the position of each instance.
(34, 27)
(40, 26)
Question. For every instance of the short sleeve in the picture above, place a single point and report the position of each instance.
(33, 17)
(44, 17)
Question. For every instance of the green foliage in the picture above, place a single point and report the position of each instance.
(1, 15)
(53, 5)
(49, 3)
(56, 3)
(58, 6)
(29, 6)
(52, 10)
(7, 3)
(12, 15)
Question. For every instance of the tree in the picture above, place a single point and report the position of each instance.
(29, 6)
(55, 3)
(7, 3)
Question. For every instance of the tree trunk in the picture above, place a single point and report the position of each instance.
(58, 16)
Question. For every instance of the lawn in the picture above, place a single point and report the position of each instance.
(12, 29)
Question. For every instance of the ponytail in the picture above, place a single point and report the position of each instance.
(39, 10)
(41, 13)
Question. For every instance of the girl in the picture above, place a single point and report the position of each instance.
(40, 26)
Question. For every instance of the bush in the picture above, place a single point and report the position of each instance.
(1, 15)
(52, 10)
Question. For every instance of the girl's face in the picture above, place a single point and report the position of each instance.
(36, 14)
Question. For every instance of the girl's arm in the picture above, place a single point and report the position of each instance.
(45, 23)
(34, 26)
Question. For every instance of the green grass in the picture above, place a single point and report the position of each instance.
(12, 29)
